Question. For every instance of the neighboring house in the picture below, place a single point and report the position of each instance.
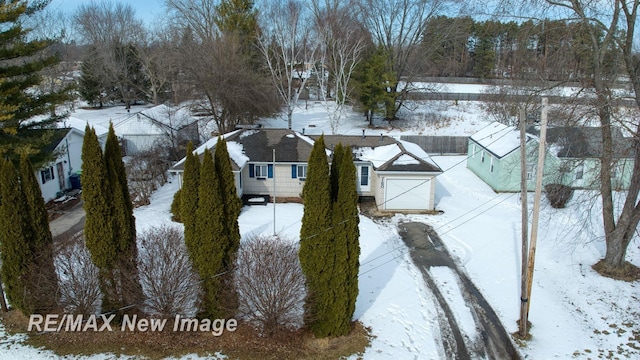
(398, 174)
(157, 126)
(56, 177)
(572, 157)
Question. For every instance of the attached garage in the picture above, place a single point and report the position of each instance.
(407, 194)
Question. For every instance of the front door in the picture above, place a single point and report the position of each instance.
(61, 178)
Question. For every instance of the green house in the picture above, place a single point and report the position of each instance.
(572, 157)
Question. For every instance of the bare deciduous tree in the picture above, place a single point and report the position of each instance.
(166, 273)
(270, 283)
(343, 39)
(397, 27)
(147, 171)
(288, 49)
(78, 277)
(116, 35)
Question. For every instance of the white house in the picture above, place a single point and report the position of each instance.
(59, 175)
(157, 126)
(399, 175)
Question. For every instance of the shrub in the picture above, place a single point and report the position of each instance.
(175, 207)
(558, 195)
(270, 284)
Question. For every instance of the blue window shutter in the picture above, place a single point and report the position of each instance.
(252, 170)
(294, 171)
(42, 177)
(270, 171)
(51, 170)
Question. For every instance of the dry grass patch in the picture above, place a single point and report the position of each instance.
(244, 343)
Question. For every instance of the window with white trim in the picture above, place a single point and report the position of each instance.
(261, 171)
(302, 172)
(364, 176)
(46, 175)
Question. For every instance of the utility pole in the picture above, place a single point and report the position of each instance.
(274, 192)
(522, 326)
(536, 201)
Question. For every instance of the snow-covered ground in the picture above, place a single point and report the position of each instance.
(575, 312)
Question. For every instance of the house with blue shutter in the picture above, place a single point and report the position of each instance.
(398, 175)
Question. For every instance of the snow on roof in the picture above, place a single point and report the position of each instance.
(498, 138)
(80, 124)
(173, 117)
(378, 155)
(211, 144)
(155, 121)
(236, 153)
(406, 160)
(417, 151)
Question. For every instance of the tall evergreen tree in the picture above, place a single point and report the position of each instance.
(316, 242)
(230, 199)
(124, 225)
(16, 235)
(189, 195)
(21, 61)
(373, 81)
(347, 247)
(239, 18)
(99, 225)
(208, 248)
(336, 162)
(43, 276)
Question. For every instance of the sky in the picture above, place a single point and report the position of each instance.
(146, 10)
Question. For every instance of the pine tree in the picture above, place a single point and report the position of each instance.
(124, 225)
(316, 242)
(240, 19)
(91, 85)
(208, 248)
(347, 246)
(189, 195)
(44, 280)
(16, 234)
(99, 225)
(21, 61)
(232, 203)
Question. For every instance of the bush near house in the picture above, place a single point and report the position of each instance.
(558, 195)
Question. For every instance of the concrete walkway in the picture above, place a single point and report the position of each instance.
(69, 223)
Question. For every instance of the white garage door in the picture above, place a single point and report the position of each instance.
(407, 194)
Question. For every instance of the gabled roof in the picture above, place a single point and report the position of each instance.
(499, 139)
(258, 145)
(386, 153)
(156, 120)
(585, 142)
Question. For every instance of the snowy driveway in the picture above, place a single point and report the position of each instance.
(469, 327)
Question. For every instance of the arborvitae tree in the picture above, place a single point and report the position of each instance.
(124, 224)
(336, 162)
(208, 248)
(175, 206)
(99, 225)
(316, 242)
(230, 199)
(189, 195)
(44, 280)
(21, 60)
(347, 246)
(16, 235)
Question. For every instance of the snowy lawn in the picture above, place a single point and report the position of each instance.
(575, 312)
